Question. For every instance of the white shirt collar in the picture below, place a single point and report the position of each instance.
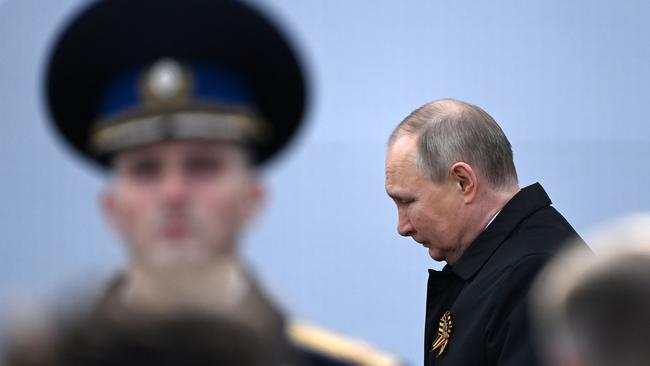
(493, 217)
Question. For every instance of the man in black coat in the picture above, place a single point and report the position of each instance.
(450, 171)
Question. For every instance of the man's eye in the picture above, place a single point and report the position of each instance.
(144, 170)
(203, 166)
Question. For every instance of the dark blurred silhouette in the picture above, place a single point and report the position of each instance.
(191, 339)
(593, 309)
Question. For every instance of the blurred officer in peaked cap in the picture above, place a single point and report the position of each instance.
(181, 102)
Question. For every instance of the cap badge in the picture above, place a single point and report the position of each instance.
(167, 82)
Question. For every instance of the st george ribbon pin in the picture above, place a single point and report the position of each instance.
(444, 334)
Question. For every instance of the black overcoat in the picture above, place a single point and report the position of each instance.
(486, 290)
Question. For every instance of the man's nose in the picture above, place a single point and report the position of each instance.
(174, 187)
(404, 227)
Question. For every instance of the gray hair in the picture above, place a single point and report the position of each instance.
(450, 131)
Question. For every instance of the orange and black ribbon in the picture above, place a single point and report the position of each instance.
(444, 334)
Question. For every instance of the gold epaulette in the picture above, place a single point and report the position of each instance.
(339, 347)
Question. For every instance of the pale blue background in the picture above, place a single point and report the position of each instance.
(567, 80)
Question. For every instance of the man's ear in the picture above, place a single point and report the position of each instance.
(465, 179)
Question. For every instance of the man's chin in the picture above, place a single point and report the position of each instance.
(178, 253)
(436, 255)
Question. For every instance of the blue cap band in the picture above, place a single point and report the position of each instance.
(209, 83)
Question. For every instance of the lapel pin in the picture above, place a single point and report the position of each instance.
(444, 334)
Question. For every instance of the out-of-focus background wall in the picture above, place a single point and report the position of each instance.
(567, 80)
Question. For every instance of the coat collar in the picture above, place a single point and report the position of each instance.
(520, 206)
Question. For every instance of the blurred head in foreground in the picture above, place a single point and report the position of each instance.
(190, 339)
(594, 309)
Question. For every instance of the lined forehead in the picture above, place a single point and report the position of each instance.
(402, 149)
(401, 153)
(400, 161)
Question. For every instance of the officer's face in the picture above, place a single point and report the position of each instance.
(431, 213)
(181, 201)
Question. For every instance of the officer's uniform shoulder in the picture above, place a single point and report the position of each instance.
(323, 347)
